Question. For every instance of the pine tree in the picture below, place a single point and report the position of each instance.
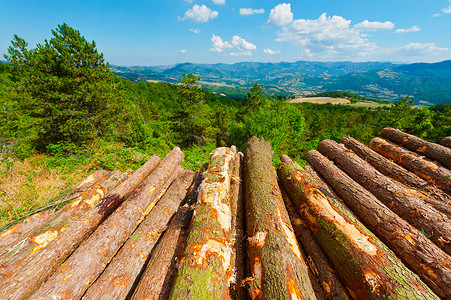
(192, 118)
(72, 91)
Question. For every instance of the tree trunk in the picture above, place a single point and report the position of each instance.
(384, 165)
(368, 268)
(118, 279)
(433, 151)
(428, 193)
(158, 277)
(21, 230)
(424, 168)
(205, 271)
(446, 141)
(89, 260)
(320, 267)
(238, 259)
(89, 181)
(277, 267)
(41, 266)
(398, 199)
(60, 222)
(422, 256)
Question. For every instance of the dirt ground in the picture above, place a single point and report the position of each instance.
(321, 100)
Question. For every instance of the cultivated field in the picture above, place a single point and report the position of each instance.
(321, 100)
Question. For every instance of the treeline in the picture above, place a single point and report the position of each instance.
(342, 94)
(61, 97)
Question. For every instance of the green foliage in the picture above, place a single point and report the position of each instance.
(69, 89)
(191, 120)
(255, 100)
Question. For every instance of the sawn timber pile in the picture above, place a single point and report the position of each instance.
(361, 223)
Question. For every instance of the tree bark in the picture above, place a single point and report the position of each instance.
(318, 263)
(433, 151)
(205, 271)
(238, 259)
(368, 268)
(426, 169)
(422, 256)
(446, 141)
(158, 277)
(409, 207)
(89, 181)
(277, 267)
(118, 279)
(21, 230)
(60, 222)
(41, 266)
(428, 193)
(88, 261)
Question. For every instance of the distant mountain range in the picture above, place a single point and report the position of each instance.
(427, 83)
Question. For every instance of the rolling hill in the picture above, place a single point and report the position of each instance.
(427, 83)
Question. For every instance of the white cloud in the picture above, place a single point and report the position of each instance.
(195, 30)
(200, 14)
(271, 52)
(436, 15)
(421, 48)
(280, 15)
(374, 26)
(326, 38)
(245, 53)
(411, 29)
(250, 11)
(242, 44)
(218, 44)
(244, 47)
(189, 1)
(447, 10)
(219, 2)
(183, 51)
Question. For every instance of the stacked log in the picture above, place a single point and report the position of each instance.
(21, 230)
(141, 242)
(417, 252)
(426, 169)
(276, 264)
(39, 267)
(369, 269)
(60, 222)
(421, 188)
(446, 141)
(398, 199)
(118, 279)
(205, 268)
(238, 230)
(88, 261)
(433, 151)
(321, 269)
(158, 277)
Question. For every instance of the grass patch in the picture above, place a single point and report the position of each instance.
(29, 184)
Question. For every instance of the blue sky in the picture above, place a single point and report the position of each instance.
(150, 32)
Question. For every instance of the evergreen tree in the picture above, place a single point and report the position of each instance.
(255, 100)
(72, 92)
(191, 120)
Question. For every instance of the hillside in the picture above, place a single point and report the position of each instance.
(428, 84)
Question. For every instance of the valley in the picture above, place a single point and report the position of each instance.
(428, 84)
